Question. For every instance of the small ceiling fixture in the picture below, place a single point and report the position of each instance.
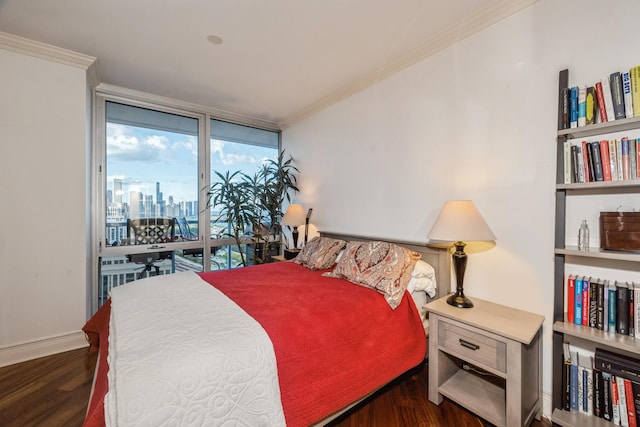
(213, 39)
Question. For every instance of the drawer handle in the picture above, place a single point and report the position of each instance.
(469, 345)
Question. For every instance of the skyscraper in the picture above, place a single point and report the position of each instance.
(117, 191)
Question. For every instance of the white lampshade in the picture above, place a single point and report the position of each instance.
(460, 221)
(294, 216)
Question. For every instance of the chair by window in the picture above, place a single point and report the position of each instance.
(150, 231)
(185, 230)
(186, 235)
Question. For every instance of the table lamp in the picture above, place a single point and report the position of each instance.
(460, 221)
(293, 217)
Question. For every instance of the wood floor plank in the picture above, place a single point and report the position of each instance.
(54, 391)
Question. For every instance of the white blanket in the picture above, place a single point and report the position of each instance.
(182, 353)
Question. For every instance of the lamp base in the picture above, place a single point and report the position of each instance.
(291, 253)
(459, 300)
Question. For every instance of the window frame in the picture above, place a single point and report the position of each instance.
(98, 249)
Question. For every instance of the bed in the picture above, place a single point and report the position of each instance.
(275, 344)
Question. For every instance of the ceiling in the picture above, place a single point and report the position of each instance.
(279, 61)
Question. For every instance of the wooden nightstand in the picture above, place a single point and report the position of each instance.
(277, 258)
(487, 359)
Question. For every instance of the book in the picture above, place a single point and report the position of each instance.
(566, 373)
(617, 96)
(633, 159)
(563, 99)
(607, 411)
(578, 301)
(636, 303)
(613, 159)
(626, 164)
(622, 402)
(587, 169)
(619, 158)
(575, 163)
(601, 106)
(615, 401)
(600, 319)
(582, 106)
(622, 308)
(593, 303)
(631, 320)
(597, 161)
(567, 161)
(638, 156)
(635, 388)
(573, 107)
(617, 364)
(587, 384)
(608, 101)
(606, 161)
(634, 76)
(628, 97)
(586, 284)
(631, 412)
(590, 105)
(573, 381)
(571, 293)
(598, 393)
(605, 291)
(613, 298)
(582, 385)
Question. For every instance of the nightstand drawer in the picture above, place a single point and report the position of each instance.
(474, 347)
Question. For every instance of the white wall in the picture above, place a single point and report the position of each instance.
(476, 121)
(43, 189)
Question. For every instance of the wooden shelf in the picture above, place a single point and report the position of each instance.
(599, 253)
(619, 125)
(615, 341)
(572, 418)
(630, 184)
(482, 397)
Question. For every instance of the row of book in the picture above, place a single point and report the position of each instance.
(605, 160)
(613, 307)
(612, 98)
(602, 384)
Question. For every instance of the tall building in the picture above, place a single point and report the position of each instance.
(136, 204)
(117, 191)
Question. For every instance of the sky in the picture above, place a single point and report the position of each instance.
(141, 157)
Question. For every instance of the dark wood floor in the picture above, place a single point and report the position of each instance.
(54, 390)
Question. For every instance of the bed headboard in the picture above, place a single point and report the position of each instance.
(438, 257)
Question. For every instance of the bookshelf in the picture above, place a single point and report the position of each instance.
(563, 254)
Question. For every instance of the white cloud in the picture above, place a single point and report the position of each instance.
(122, 145)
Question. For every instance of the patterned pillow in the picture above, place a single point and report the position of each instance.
(382, 266)
(320, 253)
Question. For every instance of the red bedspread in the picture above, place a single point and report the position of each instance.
(334, 341)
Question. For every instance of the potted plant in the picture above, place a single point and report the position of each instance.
(231, 197)
(252, 205)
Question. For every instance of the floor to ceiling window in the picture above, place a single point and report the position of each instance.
(153, 168)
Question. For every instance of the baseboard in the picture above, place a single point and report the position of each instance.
(40, 348)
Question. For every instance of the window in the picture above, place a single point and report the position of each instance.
(153, 167)
(235, 148)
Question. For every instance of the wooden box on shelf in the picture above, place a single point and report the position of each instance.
(620, 231)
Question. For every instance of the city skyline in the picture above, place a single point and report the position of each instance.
(141, 157)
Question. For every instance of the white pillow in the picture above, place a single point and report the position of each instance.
(423, 278)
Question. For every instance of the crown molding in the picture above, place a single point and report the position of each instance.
(45, 51)
(492, 13)
(117, 91)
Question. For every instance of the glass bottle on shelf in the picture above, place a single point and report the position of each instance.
(583, 236)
